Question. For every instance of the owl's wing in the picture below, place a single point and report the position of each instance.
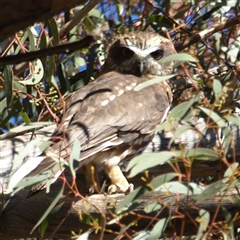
(109, 112)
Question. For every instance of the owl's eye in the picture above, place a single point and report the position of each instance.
(126, 52)
(157, 55)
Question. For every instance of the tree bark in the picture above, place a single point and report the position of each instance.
(21, 214)
(16, 15)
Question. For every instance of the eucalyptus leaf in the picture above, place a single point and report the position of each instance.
(157, 182)
(198, 153)
(152, 207)
(204, 221)
(148, 160)
(231, 169)
(142, 235)
(181, 130)
(84, 236)
(54, 30)
(181, 188)
(211, 191)
(217, 87)
(214, 116)
(50, 208)
(74, 157)
(47, 220)
(8, 82)
(233, 120)
(37, 74)
(180, 110)
(229, 220)
(152, 81)
(180, 57)
(128, 200)
(159, 228)
(26, 127)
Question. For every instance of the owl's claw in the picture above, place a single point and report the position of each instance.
(120, 189)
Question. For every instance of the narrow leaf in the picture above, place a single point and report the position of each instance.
(233, 120)
(54, 30)
(152, 207)
(128, 200)
(181, 57)
(26, 127)
(204, 218)
(214, 116)
(157, 182)
(159, 228)
(211, 191)
(217, 87)
(52, 205)
(74, 157)
(148, 160)
(181, 188)
(8, 82)
(152, 81)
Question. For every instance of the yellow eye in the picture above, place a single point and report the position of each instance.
(157, 55)
(127, 53)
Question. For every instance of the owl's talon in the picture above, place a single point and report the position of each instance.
(116, 189)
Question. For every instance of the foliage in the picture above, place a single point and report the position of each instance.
(33, 94)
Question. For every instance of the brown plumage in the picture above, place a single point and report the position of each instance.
(112, 121)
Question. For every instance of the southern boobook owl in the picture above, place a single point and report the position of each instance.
(112, 121)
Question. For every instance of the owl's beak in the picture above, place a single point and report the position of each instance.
(141, 64)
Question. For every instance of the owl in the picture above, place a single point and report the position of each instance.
(112, 121)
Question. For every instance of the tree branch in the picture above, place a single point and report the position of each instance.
(24, 14)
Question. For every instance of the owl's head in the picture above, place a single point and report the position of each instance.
(139, 53)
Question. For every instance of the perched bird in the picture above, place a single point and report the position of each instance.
(112, 121)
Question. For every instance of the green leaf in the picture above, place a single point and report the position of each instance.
(3, 105)
(142, 235)
(180, 57)
(63, 78)
(217, 87)
(233, 120)
(120, 8)
(211, 191)
(182, 129)
(152, 81)
(50, 208)
(8, 82)
(23, 39)
(159, 228)
(180, 110)
(148, 160)
(181, 188)
(95, 13)
(128, 200)
(198, 154)
(47, 220)
(214, 116)
(162, 179)
(226, 132)
(229, 220)
(230, 170)
(152, 207)
(31, 37)
(54, 30)
(26, 127)
(204, 221)
(84, 236)
(74, 157)
(20, 87)
(26, 166)
(37, 73)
